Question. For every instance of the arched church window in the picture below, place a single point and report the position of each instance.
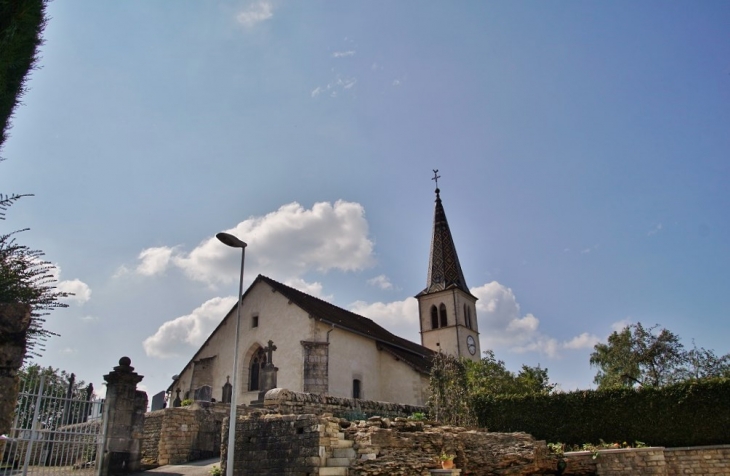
(257, 363)
(466, 317)
(468, 313)
(434, 318)
(442, 315)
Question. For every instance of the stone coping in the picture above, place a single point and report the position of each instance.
(694, 448)
(618, 450)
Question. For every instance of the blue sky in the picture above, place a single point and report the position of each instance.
(583, 149)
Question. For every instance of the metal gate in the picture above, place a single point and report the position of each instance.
(55, 431)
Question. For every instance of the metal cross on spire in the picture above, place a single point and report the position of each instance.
(436, 177)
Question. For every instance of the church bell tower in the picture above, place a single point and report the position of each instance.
(447, 309)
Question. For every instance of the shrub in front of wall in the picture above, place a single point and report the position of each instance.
(691, 413)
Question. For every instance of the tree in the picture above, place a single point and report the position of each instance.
(21, 26)
(26, 278)
(651, 357)
(490, 376)
(456, 382)
(55, 410)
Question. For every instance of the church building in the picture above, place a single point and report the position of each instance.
(318, 347)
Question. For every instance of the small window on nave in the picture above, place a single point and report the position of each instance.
(356, 390)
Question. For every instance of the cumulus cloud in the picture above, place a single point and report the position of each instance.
(255, 13)
(154, 260)
(583, 341)
(176, 338)
(381, 282)
(284, 244)
(502, 325)
(399, 317)
(79, 291)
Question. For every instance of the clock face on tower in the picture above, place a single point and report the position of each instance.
(471, 345)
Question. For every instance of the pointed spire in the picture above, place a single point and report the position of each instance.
(444, 269)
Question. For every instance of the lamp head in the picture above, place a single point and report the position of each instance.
(230, 240)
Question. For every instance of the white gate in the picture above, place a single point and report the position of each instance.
(54, 432)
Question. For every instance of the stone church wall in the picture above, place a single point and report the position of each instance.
(285, 401)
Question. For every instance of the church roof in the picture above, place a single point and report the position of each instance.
(444, 269)
(413, 354)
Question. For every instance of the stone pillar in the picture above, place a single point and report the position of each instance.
(124, 410)
(14, 322)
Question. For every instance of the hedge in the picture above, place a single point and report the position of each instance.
(692, 413)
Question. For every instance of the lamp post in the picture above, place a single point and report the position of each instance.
(233, 242)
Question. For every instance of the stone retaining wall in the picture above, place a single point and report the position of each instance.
(286, 402)
(698, 460)
(183, 434)
(404, 447)
(285, 445)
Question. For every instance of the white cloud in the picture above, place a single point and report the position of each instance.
(79, 290)
(313, 289)
(381, 282)
(176, 338)
(396, 82)
(583, 341)
(89, 318)
(255, 14)
(68, 351)
(502, 325)
(343, 54)
(316, 91)
(399, 317)
(284, 244)
(154, 260)
(618, 326)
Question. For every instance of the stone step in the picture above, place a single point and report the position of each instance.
(343, 444)
(344, 453)
(332, 471)
(339, 462)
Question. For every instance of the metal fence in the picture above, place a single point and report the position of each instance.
(55, 430)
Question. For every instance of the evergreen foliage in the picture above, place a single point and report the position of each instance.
(26, 278)
(690, 413)
(21, 25)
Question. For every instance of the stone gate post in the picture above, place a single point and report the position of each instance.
(124, 410)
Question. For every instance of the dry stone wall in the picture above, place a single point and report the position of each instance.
(183, 434)
(286, 445)
(403, 447)
(287, 402)
(698, 460)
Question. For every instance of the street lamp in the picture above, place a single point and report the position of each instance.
(233, 242)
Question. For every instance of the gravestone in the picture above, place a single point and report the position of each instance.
(158, 401)
(227, 390)
(203, 394)
(268, 375)
(177, 402)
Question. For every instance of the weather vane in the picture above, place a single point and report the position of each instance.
(436, 177)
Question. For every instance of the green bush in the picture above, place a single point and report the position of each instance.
(691, 413)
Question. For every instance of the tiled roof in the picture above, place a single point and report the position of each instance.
(444, 269)
(413, 354)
